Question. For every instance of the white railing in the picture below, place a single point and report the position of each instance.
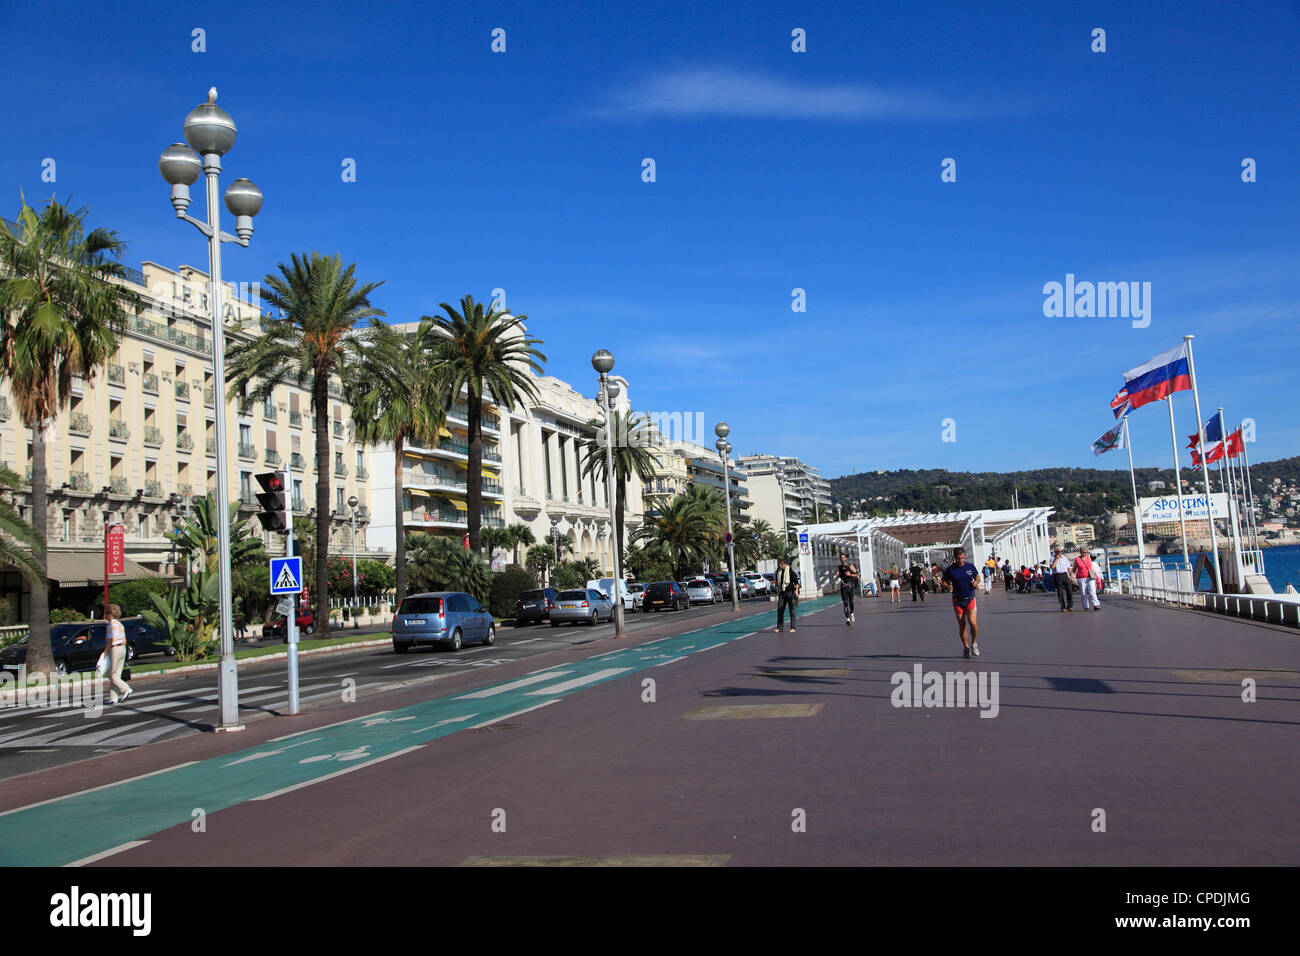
(1269, 609)
(13, 633)
(1171, 584)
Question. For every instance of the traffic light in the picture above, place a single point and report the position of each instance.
(274, 514)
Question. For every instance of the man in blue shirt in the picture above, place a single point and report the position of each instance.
(965, 580)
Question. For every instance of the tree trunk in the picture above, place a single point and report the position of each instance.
(400, 520)
(474, 486)
(40, 656)
(323, 472)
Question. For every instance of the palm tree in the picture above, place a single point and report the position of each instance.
(320, 304)
(60, 316)
(439, 563)
(15, 533)
(680, 528)
(494, 538)
(632, 456)
(398, 402)
(521, 535)
(486, 353)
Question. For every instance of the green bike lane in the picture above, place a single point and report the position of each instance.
(117, 815)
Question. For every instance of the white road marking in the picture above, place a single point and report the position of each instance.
(268, 753)
(116, 783)
(513, 685)
(337, 723)
(527, 641)
(336, 773)
(107, 853)
(497, 720)
(578, 682)
(672, 661)
(449, 720)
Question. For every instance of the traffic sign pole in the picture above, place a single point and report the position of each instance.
(291, 619)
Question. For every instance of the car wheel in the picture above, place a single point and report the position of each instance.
(455, 644)
(594, 619)
(401, 647)
(491, 636)
(61, 668)
(130, 652)
(309, 629)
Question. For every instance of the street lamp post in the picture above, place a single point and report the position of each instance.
(785, 529)
(555, 536)
(210, 132)
(603, 363)
(352, 503)
(722, 430)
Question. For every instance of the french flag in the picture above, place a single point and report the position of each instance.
(1159, 377)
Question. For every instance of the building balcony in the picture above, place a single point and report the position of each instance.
(297, 462)
(449, 516)
(295, 419)
(340, 470)
(247, 451)
(116, 375)
(273, 457)
(362, 473)
(117, 429)
(490, 455)
(269, 412)
(248, 498)
(79, 424)
(210, 446)
(153, 436)
(118, 486)
(299, 506)
(338, 429)
(209, 396)
(153, 489)
(182, 391)
(334, 389)
(149, 382)
(415, 478)
(184, 442)
(494, 488)
(79, 481)
(164, 333)
(5, 410)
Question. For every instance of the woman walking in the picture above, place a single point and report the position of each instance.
(116, 635)
(895, 585)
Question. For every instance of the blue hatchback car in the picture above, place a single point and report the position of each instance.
(450, 618)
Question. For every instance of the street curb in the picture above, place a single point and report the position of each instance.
(89, 680)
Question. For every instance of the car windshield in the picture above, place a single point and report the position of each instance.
(573, 595)
(421, 605)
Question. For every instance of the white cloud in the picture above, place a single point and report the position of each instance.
(715, 91)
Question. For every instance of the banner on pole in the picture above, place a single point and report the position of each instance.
(115, 549)
(1194, 508)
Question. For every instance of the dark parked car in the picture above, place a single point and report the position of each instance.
(77, 646)
(535, 606)
(723, 581)
(665, 594)
(450, 618)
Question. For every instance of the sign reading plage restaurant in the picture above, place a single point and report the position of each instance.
(1166, 508)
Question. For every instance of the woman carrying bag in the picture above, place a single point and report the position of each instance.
(116, 651)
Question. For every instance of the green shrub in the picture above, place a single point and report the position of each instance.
(66, 615)
(569, 576)
(133, 596)
(506, 588)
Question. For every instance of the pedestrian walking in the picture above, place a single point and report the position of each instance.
(787, 589)
(965, 581)
(1083, 574)
(895, 586)
(917, 578)
(848, 575)
(989, 567)
(1061, 575)
(116, 633)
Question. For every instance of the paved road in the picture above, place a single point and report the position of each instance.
(1136, 711)
(162, 708)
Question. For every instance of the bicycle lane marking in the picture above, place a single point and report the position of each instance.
(117, 814)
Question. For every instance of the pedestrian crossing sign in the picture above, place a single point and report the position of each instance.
(286, 575)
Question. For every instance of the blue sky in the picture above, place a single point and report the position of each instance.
(775, 170)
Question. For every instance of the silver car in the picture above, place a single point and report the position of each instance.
(702, 591)
(585, 605)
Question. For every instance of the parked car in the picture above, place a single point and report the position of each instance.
(701, 591)
(665, 594)
(723, 581)
(77, 646)
(450, 618)
(606, 587)
(582, 605)
(534, 606)
(760, 584)
(306, 623)
(637, 591)
(771, 581)
(745, 587)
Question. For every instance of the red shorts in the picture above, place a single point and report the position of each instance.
(960, 609)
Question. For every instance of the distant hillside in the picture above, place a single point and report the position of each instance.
(1076, 493)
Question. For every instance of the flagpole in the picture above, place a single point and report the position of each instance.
(1137, 509)
(1254, 526)
(1178, 478)
(1205, 469)
(1234, 532)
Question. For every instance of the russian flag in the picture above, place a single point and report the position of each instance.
(1159, 377)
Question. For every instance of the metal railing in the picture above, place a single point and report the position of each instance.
(79, 423)
(209, 396)
(248, 451)
(153, 435)
(79, 481)
(272, 457)
(340, 469)
(210, 446)
(1257, 607)
(338, 429)
(299, 505)
(149, 382)
(184, 442)
(116, 374)
(153, 489)
(295, 419)
(182, 391)
(297, 462)
(269, 412)
(362, 473)
(1171, 584)
(118, 486)
(117, 429)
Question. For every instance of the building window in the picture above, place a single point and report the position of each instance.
(338, 497)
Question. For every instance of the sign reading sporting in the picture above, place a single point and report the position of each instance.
(1194, 508)
(286, 575)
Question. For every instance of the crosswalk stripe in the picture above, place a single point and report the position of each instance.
(579, 681)
(514, 685)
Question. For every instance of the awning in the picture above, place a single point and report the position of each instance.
(418, 491)
(459, 503)
(444, 433)
(75, 569)
(489, 473)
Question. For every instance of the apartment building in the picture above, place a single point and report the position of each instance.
(140, 440)
(802, 496)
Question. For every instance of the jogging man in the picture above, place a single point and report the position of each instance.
(965, 581)
(848, 576)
